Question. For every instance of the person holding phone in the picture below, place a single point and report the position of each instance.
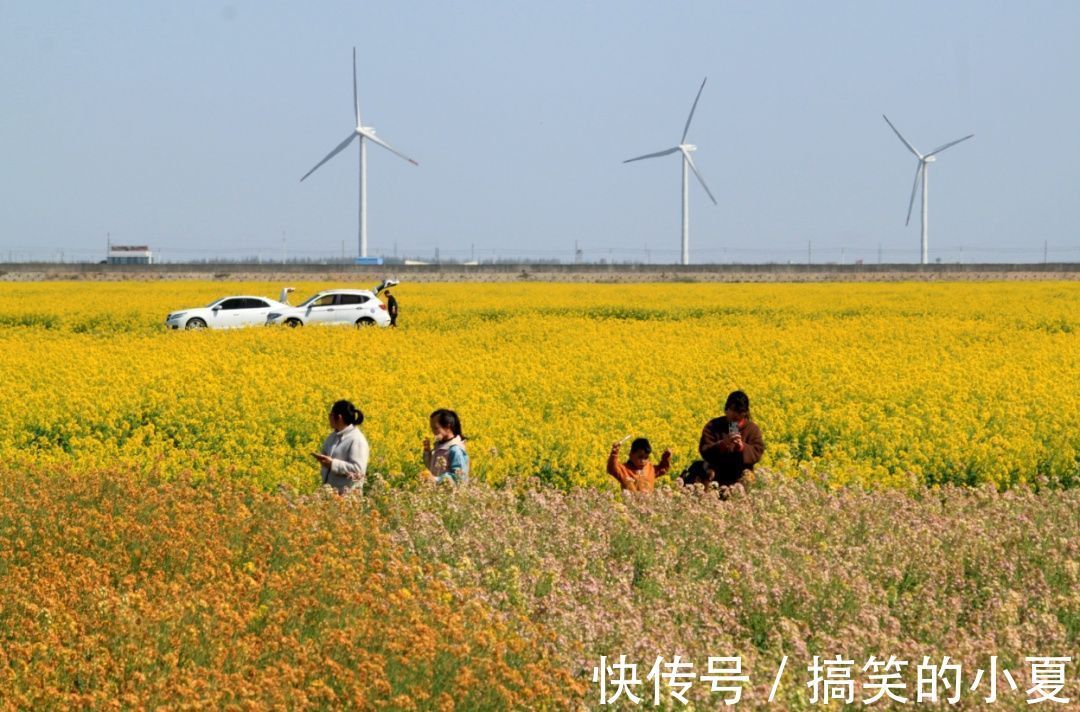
(732, 443)
(344, 455)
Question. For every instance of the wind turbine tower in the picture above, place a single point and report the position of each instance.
(363, 134)
(920, 176)
(687, 165)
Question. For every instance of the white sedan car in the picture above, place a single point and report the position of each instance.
(353, 307)
(225, 313)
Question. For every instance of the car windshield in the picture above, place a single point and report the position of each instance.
(311, 299)
(216, 301)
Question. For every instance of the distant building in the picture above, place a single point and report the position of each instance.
(130, 255)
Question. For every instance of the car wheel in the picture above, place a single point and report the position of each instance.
(195, 323)
(364, 321)
(293, 323)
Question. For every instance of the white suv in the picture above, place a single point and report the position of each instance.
(359, 307)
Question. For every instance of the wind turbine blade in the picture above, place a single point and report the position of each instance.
(653, 155)
(914, 190)
(690, 162)
(355, 96)
(375, 139)
(338, 149)
(939, 149)
(901, 137)
(686, 129)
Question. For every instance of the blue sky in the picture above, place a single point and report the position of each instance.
(188, 125)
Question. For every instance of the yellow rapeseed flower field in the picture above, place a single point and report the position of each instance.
(881, 384)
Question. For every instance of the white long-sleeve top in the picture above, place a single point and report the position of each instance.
(349, 449)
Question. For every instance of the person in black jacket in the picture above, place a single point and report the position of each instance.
(391, 307)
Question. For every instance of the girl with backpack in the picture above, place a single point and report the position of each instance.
(448, 462)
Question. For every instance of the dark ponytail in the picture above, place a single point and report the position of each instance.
(348, 412)
(446, 418)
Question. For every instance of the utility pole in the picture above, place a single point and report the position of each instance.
(472, 252)
(809, 252)
(879, 253)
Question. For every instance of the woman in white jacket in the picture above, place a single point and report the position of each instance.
(344, 455)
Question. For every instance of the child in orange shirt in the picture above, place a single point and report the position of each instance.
(637, 474)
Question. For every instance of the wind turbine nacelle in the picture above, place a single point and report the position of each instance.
(688, 147)
(929, 159)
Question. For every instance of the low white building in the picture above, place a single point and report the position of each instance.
(130, 255)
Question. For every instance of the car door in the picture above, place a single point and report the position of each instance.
(350, 308)
(321, 311)
(228, 313)
(255, 312)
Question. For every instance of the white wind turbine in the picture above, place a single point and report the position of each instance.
(920, 175)
(687, 165)
(364, 133)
